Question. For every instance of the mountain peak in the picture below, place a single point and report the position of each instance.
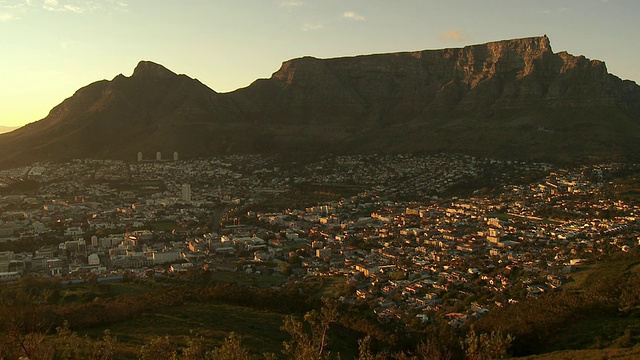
(151, 69)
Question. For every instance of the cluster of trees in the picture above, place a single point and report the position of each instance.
(310, 339)
(68, 345)
(35, 296)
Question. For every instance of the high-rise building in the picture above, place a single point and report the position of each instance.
(186, 192)
(158, 156)
(175, 156)
(139, 155)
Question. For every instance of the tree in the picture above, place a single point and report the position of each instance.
(159, 348)
(23, 338)
(285, 268)
(231, 349)
(313, 345)
(68, 345)
(195, 349)
(65, 344)
(487, 346)
(364, 350)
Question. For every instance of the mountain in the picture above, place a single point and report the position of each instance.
(509, 99)
(5, 129)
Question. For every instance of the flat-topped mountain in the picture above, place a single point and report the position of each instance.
(509, 99)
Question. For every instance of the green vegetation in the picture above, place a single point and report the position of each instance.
(166, 226)
(21, 187)
(304, 195)
(140, 187)
(174, 314)
(260, 329)
(246, 279)
(601, 309)
(619, 354)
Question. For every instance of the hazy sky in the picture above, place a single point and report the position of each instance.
(51, 48)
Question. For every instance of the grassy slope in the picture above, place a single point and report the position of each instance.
(260, 330)
(594, 354)
(599, 337)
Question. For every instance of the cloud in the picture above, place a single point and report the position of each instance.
(352, 16)
(5, 16)
(73, 8)
(69, 5)
(312, 27)
(556, 11)
(14, 4)
(291, 3)
(11, 7)
(453, 35)
(122, 6)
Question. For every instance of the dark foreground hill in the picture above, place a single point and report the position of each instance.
(510, 99)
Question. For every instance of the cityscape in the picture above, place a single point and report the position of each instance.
(300, 180)
(403, 241)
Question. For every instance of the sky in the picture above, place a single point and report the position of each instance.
(51, 48)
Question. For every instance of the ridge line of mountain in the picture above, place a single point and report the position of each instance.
(507, 99)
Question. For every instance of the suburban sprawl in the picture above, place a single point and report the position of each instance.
(411, 236)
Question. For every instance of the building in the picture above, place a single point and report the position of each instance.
(139, 156)
(93, 259)
(9, 276)
(175, 156)
(186, 192)
(158, 156)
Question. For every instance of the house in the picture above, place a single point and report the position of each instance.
(9, 276)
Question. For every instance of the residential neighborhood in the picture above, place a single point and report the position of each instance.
(411, 235)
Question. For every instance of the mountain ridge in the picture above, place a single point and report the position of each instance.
(510, 98)
(5, 129)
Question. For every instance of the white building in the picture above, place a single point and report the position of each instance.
(165, 257)
(73, 231)
(9, 276)
(93, 259)
(186, 192)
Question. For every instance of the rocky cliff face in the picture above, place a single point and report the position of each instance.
(512, 98)
(507, 74)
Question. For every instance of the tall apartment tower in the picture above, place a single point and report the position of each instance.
(158, 156)
(186, 192)
(139, 156)
(175, 156)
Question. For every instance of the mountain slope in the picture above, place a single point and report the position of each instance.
(512, 98)
(6, 129)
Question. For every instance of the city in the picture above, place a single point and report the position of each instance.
(411, 236)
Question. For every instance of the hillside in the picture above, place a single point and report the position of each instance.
(508, 99)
